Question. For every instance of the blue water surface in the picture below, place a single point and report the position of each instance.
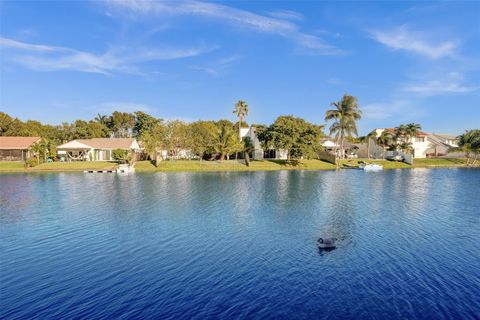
(241, 245)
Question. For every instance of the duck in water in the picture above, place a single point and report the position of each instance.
(327, 243)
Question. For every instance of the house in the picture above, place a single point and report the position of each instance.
(16, 148)
(441, 144)
(258, 152)
(420, 143)
(96, 149)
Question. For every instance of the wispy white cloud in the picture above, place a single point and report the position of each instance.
(402, 38)
(453, 83)
(219, 66)
(286, 14)
(400, 110)
(232, 16)
(120, 59)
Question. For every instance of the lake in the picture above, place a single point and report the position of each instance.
(241, 245)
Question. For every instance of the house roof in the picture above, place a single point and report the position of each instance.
(445, 136)
(20, 143)
(101, 143)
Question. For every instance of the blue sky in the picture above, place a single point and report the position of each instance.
(405, 61)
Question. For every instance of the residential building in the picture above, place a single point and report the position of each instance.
(420, 143)
(16, 148)
(258, 152)
(96, 149)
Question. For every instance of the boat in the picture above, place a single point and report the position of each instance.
(125, 169)
(328, 243)
(372, 167)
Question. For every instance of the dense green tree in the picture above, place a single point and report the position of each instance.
(144, 123)
(177, 137)
(294, 135)
(204, 135)
(344, 117)
(122, 124)
(227, 140)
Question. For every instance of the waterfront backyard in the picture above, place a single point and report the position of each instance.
(227, 165)
(240, 245)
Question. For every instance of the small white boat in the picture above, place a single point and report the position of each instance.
(125, 169)
(372, 167)
(328, 243)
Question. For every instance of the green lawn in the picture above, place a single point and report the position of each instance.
(11, 166)
(232, 165)
(227, 165)
(75, 166)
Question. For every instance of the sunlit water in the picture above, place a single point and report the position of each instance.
(241, 245)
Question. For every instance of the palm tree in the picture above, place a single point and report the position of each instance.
(386, 139)
(103, 119)
(345, 115)
(241, 111)
(413, 129)
(227, 142)
(469, 142)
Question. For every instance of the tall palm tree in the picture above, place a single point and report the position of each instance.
(241, 111)
(345, 115)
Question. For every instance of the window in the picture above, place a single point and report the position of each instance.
(420, 139)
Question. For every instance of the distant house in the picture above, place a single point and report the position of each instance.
(441, 144)
(96, 149)
(420, 143)
(16, 148)
(258, 152)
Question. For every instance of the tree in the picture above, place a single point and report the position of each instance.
(344, 117)
(122, 156)
(241, 111)
(227, 140)
(122, 124)
(144, 123)
(204, 135)
(247, 148)
(176, 137)
(386, 139)
(404, 135)
(469, 143)
(294, 135)
(86, 130)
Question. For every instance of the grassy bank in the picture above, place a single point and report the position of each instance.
(228, 165)
(232, 165)
(57, 166)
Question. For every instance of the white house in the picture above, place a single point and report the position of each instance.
(420, 143)
(258, 152)
(96, 149)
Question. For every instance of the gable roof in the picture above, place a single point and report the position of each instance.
(20, 143)
(101, 143)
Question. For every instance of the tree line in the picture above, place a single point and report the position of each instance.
(208, 139)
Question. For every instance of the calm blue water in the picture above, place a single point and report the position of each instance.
(241, 245)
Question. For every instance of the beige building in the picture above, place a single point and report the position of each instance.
(96, 149)
(16, 148)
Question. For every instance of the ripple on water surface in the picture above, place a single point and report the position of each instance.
(241, 245)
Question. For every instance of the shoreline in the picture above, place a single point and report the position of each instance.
(229, 166)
